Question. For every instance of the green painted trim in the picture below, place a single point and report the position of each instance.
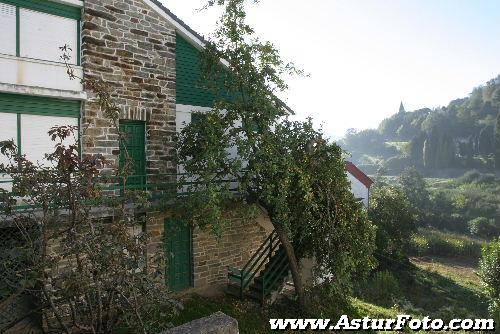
(48, 7)
(78, 42)
(18, 34)
(36, 105)
(79, 138)
(19, 134)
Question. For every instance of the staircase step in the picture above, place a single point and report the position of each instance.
(233, 289)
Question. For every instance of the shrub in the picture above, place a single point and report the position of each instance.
(396, 164)
(484, 227)
(382, 288)
(469, 177)
(489, 271)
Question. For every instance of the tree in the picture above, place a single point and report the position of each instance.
(393, 215)
(287, 168)
(497, 142)
(489, 272)
(414, 188)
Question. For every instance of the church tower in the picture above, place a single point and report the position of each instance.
(402, 108)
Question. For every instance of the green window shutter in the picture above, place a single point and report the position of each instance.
(135, 143)
(49, 7)
(36, 105)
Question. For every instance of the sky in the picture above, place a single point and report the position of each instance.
(364, 57)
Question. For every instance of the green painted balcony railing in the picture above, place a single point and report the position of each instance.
(157, 185)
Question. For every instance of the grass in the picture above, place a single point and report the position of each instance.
(432, 242)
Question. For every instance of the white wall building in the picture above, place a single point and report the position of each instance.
(360, 183)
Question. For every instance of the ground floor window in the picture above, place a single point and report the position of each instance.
(27, 119)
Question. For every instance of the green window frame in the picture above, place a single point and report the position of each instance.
(48, 7)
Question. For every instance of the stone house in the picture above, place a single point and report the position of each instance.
(151, 60)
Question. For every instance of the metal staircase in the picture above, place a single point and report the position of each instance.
(263, 274)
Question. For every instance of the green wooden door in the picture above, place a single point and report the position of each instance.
(135, 142)
(178, 252)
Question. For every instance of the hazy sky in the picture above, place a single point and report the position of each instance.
(365, 56)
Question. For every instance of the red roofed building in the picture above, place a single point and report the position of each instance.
(360, 183)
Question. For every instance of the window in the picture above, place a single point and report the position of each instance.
(36, 29)
(41, 35)
(27, 119)
(35, 141)
(8, 123)
(8, 28)
(9, 132)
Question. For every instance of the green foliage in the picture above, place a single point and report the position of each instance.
(444, 138)
(431, 242)
(381, 288)
(489, 271)
(287, 168)
(496, 139)
(396, 164)
(393, 215)
(414, 188)
(484, 227)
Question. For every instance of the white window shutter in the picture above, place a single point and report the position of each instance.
(43, 34)
(8, 125)
(7, 29)
(35, 140)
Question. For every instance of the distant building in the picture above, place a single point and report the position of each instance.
(360, 183)
(402, 108)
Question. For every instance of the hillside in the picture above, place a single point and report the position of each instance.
(441, 142)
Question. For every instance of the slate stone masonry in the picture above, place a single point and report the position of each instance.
(132, 48)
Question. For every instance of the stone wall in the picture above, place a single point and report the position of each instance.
(217, 323)
(130, 47)
(237, 244)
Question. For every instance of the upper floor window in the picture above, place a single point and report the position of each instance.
(37, 29)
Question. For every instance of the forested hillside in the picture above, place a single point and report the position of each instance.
(444, 141)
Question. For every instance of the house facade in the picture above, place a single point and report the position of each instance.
(151, 61)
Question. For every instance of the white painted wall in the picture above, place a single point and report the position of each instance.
(37, 73)
(359, 189)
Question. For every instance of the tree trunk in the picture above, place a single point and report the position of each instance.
(294, 266)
